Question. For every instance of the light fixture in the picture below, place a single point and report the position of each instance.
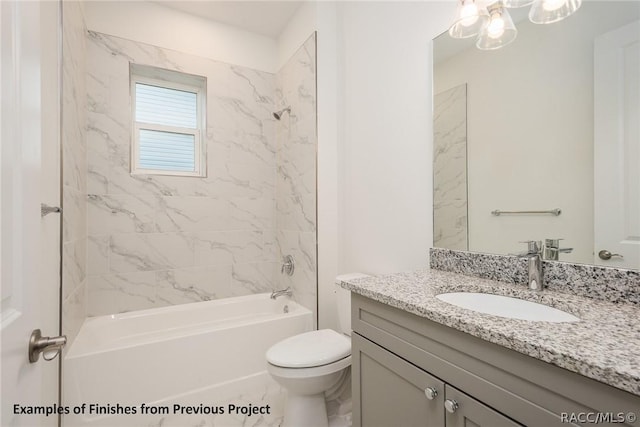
(469, 19)
(499, 31)
(494, 24)
(550, 11)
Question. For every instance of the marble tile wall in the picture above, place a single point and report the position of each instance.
(163, 240)
(74, 178)
(296, 138)
(450, 169)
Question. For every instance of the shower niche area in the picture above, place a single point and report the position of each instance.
(137, 243)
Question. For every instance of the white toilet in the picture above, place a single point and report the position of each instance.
(311, 363)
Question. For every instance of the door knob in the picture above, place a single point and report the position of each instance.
(49, 346)
(451, 406)
(606, 255)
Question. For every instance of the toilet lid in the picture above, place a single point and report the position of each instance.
(315, 348)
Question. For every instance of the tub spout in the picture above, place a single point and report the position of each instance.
(288, 292)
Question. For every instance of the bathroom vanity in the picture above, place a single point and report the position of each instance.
(418, 361)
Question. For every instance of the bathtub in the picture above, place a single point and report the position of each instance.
(186, 353)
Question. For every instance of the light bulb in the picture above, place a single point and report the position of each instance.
(469, 14)
(470, 18)
(551, 5)
(495, 29)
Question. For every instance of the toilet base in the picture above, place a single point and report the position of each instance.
(305, 410)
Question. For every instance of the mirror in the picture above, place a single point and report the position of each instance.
(541, 139)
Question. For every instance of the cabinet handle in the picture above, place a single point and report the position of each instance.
(431, 393)
(451, 405)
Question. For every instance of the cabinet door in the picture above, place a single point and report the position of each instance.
(468, 412)
(389, 391)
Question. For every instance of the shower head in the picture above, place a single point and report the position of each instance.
(278, 114)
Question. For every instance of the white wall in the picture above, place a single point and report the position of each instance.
(386, 144)
(329, 109)
(375, 139)
(158, 25)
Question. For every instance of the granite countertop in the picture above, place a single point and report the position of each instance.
(604, 345)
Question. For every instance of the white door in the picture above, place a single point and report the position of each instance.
(29, 251)
(617, 147)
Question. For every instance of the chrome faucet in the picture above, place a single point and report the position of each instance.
(552, 250)
(288, 292)
(534, 279)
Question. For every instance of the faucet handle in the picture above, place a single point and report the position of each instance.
(533, 248)
(288, 265)
(552, 243)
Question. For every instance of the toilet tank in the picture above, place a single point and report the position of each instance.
(343, 300)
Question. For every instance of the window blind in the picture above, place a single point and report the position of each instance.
(164, 106)
(166, 150)
(161, 149)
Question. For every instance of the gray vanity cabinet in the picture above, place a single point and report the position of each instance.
(394, 393)
(399, 359)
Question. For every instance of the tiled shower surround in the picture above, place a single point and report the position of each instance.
(164, 240)
(74, 153)
(296, 172)
(450, 169)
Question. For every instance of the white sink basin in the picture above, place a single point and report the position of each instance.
(502, 306)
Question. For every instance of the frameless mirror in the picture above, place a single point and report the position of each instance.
(541, 139)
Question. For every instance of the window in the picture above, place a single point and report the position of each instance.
(168, 110)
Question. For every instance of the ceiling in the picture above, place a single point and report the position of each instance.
(267, 18)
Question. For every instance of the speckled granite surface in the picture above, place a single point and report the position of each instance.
(602, 283)
(604, 345)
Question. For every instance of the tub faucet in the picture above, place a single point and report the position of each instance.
(534, 279)
(288, 292)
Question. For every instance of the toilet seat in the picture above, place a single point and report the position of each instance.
(310, 350)
(315, 371)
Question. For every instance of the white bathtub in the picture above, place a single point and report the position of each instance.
(175, 354)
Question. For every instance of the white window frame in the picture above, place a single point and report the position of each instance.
(167, 79)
